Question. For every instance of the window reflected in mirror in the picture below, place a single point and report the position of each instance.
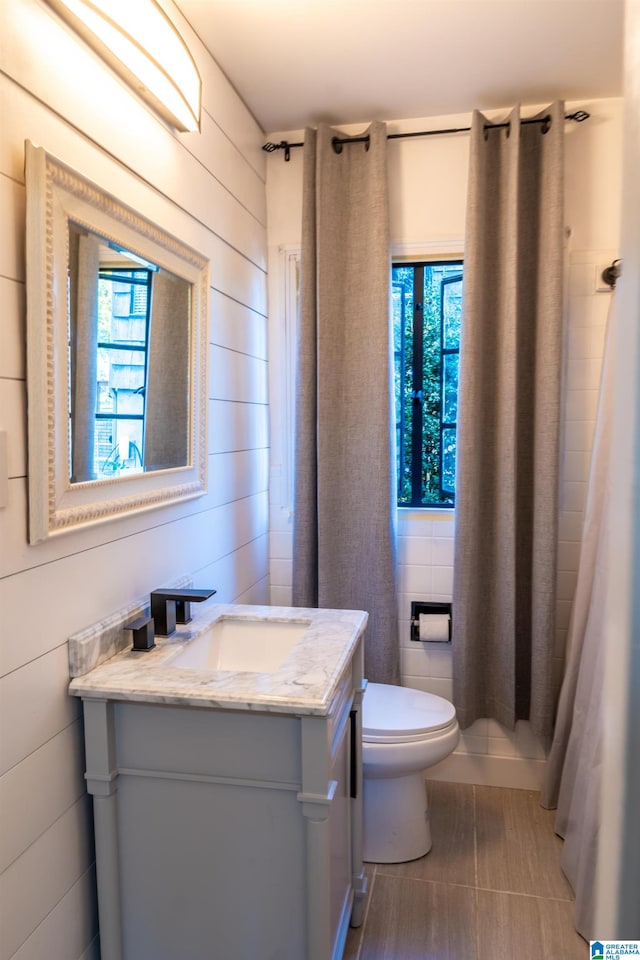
(129, 362)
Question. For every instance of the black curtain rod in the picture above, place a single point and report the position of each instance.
(579, 116)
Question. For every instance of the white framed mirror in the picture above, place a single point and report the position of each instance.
(117, 314)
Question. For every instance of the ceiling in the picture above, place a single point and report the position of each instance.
(298, 62)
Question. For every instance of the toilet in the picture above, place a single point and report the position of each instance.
(404, 731)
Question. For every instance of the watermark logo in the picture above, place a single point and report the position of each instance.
(614, 949)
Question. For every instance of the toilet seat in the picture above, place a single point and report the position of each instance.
(403, 715)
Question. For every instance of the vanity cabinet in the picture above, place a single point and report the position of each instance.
(227, 834)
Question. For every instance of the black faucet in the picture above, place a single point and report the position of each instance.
(169, 607)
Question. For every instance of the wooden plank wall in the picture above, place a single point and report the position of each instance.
(208, 189)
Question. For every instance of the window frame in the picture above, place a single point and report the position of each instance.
(445, 352)
(426, 254)
(118, 274)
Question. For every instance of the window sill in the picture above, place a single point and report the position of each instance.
(426, 514)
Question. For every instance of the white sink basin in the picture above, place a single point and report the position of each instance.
(240, 644)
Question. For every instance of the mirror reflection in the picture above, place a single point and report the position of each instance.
(129, 337)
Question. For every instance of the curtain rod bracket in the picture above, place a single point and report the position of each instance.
(611, 274)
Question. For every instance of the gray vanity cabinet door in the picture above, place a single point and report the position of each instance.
(210, 871)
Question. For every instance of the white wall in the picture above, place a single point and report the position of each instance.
(428, 179)
(208, 189)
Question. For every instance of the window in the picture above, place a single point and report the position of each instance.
(123, 329)
(427, 316)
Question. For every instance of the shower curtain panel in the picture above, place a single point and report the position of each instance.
(573, 776)
(508, 425)
(84, 254)
(344, 537)
(166, 432)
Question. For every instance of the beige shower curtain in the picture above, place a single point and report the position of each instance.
(573, 777)
(84, 261)
(166, 422)
(344, 539)
(508, 425)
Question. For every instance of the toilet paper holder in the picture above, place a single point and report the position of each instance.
(427, 607)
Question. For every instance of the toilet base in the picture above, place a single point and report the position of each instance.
(397, 824)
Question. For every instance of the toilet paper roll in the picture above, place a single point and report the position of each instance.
(434, 627)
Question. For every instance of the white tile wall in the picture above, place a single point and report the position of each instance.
(280, 553)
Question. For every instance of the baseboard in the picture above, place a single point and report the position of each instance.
(489, 771)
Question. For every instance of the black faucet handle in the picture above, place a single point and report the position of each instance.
(142, 629)
(169, 607)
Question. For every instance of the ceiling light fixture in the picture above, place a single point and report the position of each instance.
(138, 40)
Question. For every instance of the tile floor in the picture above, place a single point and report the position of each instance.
(491, 886)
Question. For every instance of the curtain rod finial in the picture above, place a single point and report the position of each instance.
(283, 145)
(579, 116)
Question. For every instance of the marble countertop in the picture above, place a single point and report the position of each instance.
(305, 683)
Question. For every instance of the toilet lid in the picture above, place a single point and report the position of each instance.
(396, 713)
